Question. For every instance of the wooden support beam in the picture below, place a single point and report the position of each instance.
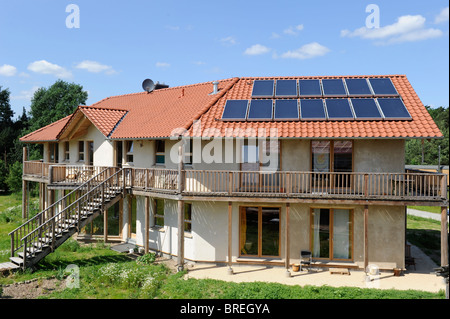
(24, 188)
(230, 237)
(105, 225)
(180, 255)
(366, 237)
(147, 223)
(287, 242)
(444, 237)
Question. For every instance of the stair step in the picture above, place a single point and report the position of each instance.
(16, 260)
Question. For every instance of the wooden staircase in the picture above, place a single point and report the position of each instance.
(42, 234)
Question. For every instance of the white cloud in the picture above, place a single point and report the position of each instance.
(442, 16)
(256, 49)
(228, 41)
(8, 70)
(406, 29)
(293, 30)
(45, 67)
(162, 64)
(95, 67)
(307, 51)
(25, 94)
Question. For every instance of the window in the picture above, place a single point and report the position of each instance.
(332, 233)
(332, 156)
(81, 151)
(159, 212)
(160, 152)
(66, 151)
(188, 152)
(188, 217)
(53, 152)
(90, 153)
(129, 148)
(259, 231)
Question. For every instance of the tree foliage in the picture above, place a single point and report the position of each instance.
(429, 149)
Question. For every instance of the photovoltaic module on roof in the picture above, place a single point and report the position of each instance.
(286, 88)
(260, 110)
(235, 110)
(263, 88)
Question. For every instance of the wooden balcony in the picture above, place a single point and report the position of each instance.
(408, 188)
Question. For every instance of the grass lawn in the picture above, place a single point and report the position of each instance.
(106, 274)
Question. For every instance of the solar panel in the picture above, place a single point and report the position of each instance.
(286, 88)
(358, 87)
(312, 109)
(393, 109)
(260, 110)
(286, 110)
(309, 88)
(263, 88)
(338, 109)
(383, 86)
(333, 87)
(235, 110)
(366, 109)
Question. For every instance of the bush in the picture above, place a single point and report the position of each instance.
(146, 259)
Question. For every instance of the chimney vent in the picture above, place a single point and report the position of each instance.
(215, 87)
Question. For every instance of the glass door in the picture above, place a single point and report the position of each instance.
(332, 233)
(260, 231)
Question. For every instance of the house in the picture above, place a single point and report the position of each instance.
(242, 170)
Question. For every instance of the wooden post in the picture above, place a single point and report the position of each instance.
(366, 237)
(24, 188)
(287, 241)
(230, 237)
(180, 256)
(444, 237)
(181, 168)
(105, 225)
(147, 223)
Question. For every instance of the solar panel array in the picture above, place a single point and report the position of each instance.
(319, 99)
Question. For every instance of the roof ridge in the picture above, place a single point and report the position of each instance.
(159, 90)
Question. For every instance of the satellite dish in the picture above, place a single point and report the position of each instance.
(148, 85)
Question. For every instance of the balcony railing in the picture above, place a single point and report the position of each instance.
(327, 185)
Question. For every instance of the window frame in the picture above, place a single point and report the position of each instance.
(188, 218)
(129, 155)
(67, 151)
(81, 151)
(331, 233)
(157, 216)
(160, 144)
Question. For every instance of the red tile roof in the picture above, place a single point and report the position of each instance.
(164, 111)
(47, 133)
(421, 125)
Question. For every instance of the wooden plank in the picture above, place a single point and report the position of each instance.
(340, 271)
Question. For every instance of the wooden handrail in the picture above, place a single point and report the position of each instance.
(39, 223)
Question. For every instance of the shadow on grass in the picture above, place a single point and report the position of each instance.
(92, 261)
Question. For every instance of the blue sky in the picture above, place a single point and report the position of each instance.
(118, 44)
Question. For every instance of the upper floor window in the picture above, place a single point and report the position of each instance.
(81, 151)
(160, 152)
(66, 151)
(53, 151)
(332, 156)
(188, 152)
(129, 148)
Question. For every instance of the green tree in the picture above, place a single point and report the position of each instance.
(429, 149)
(14, 178)
(6, 125)
(51, 104)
